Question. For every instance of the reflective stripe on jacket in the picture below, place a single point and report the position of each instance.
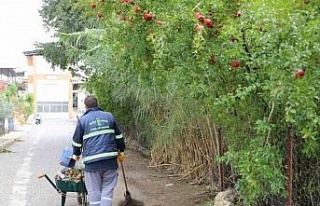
(100, 132)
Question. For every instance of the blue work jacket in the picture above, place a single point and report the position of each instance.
(97, 136)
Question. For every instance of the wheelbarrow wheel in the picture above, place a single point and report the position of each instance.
(80, 197)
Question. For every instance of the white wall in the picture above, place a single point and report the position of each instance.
(53, 90)
(43, 67)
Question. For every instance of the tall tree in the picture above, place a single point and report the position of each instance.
(62, 17)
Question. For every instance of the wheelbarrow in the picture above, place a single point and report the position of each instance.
(63, 186)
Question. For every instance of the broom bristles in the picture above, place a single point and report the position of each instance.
(129, 201)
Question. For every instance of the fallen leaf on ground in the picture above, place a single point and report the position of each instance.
(5, 151)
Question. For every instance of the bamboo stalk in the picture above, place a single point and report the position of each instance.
(221, 166)
(290, 149)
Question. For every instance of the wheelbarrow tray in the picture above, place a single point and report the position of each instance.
(70, 185)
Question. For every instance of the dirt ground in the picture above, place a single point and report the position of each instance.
(155, 187)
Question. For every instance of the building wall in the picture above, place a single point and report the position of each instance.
(7, 76)
(51, 88)
(81, 95)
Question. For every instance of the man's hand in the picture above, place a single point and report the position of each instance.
(75, 157)
(121, 156)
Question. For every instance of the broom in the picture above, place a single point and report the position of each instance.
(128, 200)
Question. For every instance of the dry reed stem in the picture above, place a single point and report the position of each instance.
(191, 154)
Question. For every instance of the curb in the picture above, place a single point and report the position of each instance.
(10, 138)
(9, 142)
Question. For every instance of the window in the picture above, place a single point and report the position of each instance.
(52, 107)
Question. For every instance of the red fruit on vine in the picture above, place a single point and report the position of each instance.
(198, 27)
(147, 16)
(199, 16)
(93, 5)
(137, 9)
(237, 13)
(128, 1)
(299, 73)
(235, 64)
(99, 15)
(213, 59)
(208, 23)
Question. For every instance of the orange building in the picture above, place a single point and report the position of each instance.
(51, 87)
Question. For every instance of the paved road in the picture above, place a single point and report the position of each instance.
(38, 151)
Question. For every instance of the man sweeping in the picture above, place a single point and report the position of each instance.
(99, 139)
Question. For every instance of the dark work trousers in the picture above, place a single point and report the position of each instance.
(100, 186)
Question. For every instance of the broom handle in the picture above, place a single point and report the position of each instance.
(124, 177)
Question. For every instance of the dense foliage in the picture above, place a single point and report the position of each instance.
(14, 105)
(5, 109)
(177, 72)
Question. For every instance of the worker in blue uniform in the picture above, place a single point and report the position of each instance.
(99, 140)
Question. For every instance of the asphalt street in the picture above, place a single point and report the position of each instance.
(37, 151)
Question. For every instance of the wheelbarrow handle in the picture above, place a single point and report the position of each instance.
(49, 180)
(40, 175)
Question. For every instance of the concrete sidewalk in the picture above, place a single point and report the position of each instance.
(10, 138)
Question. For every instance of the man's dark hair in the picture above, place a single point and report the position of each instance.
(91, 101)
